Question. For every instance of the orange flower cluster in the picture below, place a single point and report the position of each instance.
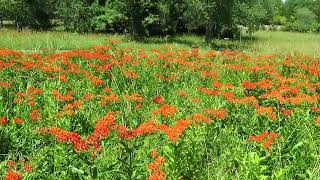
(175, 131)
(134, 97)
(315, 109)
(170, 78)
(72, 108)
(9, 52)
(62, 97)
(208, 91)
(3, 120)
(18, 120)
(269, 141)
(273, 86)
(130, 74)
(103, 127)
(95, 80)
(183, 93)
(87, 96)
(289, 95)
(62, 78)
(154, 167)
(34, 91)
(101, 130)
(158, 99)
(105, 99)
(199, 117)
(219, 113)
(5, 84)
(13, 176)
(35, 115)
(101, 48)
(165, 110)
(29, 96)
(266, 111)
(66, 136)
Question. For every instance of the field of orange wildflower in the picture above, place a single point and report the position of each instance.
(114, 113)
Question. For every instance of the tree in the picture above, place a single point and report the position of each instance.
(42, 12)
(20, 13)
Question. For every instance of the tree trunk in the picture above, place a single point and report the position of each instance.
(209, 32)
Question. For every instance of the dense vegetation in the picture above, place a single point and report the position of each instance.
(118, 113)
(140, 18)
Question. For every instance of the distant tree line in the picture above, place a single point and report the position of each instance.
(140, 18)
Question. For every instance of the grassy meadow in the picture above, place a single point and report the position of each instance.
(104, 107)
(262, 42)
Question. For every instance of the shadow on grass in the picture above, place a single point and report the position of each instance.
(197, 41)
(233, 44)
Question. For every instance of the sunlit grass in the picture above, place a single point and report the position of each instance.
(262, 42)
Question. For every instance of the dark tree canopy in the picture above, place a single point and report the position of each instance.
(140, 18)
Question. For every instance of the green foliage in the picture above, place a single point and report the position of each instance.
(279, 20)
(305, 20)
(142, 18)
(302, 15)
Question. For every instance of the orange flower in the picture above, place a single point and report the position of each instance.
(106, 99)
(316, 109)
(268, 111)
(145, 128)
(61, 97)
(3, 120)
(158, 99)
(175, 131)
(154, 153)
(66, 136)
(269, 141)
(248, 85)
(35, 115)
(183, 93)
(130, 74)
(165, 110)
(27, 167)
(34, 91)
(134, 97)
(170, 78)
(258, 139)
(219, 113)
(5, 84)
(11, 164)
(18, 120)
(95, 80)
(217, 84)
(196, 100)
(154, 167)
(200, 117)
(87, 96)
(62, 78)
(107, 89)
(17, 100)
(286, 112)
(13, 176)
(31, 103)
(267, 144)
(101, 129)
(124, 133)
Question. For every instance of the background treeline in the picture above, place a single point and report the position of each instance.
(140, 18)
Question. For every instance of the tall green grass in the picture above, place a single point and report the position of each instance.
(262, 42)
